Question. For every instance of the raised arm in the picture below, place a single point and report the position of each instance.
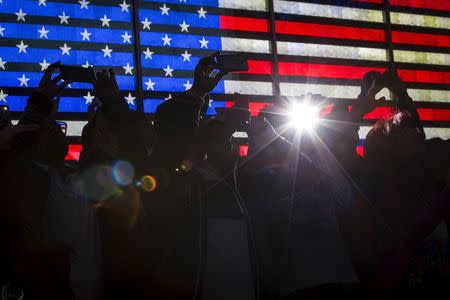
(43, 101)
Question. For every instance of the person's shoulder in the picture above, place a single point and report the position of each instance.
(437, 147)
(180, 100)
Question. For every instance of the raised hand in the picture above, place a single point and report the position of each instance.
(203, 82)
(49, 87)
(395, 84)
(105, 87)
(372, 83)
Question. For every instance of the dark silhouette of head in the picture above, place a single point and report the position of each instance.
(395, 143)
(52, 146)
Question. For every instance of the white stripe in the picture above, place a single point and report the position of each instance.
(420, 20)
(245, 45)
(248, 87)
(429, 95)
(363, 131)
(259, 5)
(352, 92)
(327, 11)
(333, 51)
(422, 57)
(326, 90)
(430, 132)
(443, 133)
(74, 128)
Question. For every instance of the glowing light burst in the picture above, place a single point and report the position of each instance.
(303, 116)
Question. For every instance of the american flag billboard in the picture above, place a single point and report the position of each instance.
(293, 47)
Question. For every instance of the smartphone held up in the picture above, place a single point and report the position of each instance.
(232, 63)
(77, 74)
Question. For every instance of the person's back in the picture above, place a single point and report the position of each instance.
(407, 204)
(176, 125)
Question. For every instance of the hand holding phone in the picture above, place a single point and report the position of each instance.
(48, 86)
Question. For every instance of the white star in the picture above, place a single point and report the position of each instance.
(20, 15)
(22, 47)
(183, 1)
(203, 43)
(89, 98)
(186, 56)
(2, 64)
(85, 34)
(44, 65)
(147, 53)
(184, 26)
(187, 85)
(150, 85)
(87, 65)
(84, 4)
(105, 21)
(128, 69)
(126, 37)
(43, 33)
(166, 40)
(124, 6)
(146, 24)
(202, 13)
(168, 97)
(64, 18)
(23, 80)
(107, 51)
(168, 71)
(42, 2)
(164, 10)
(130, 99)
(65, 49)
(3, 96)
(1, 30)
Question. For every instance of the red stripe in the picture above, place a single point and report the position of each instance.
(243, 150)
(434, 114)
(244, 24)
(424, 76)
(329, 31)
(430, 4)
(254, 107)
(259, 67)
(425, 114)
(360, 150)
(401, 37)
(327, 71)
(74, 152)
(379, 113)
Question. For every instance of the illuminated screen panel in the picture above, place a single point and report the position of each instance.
(421, 41)
(326, 49)
(174, 35)
(323, 47)
(34, 34)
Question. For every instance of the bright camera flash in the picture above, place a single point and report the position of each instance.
(303, 116)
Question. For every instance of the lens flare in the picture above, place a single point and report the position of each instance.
(147, 183)
(98, 183)
(123, 172)
(186, 165)
(303, 116)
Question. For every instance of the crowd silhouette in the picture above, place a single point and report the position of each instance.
(167, 208)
